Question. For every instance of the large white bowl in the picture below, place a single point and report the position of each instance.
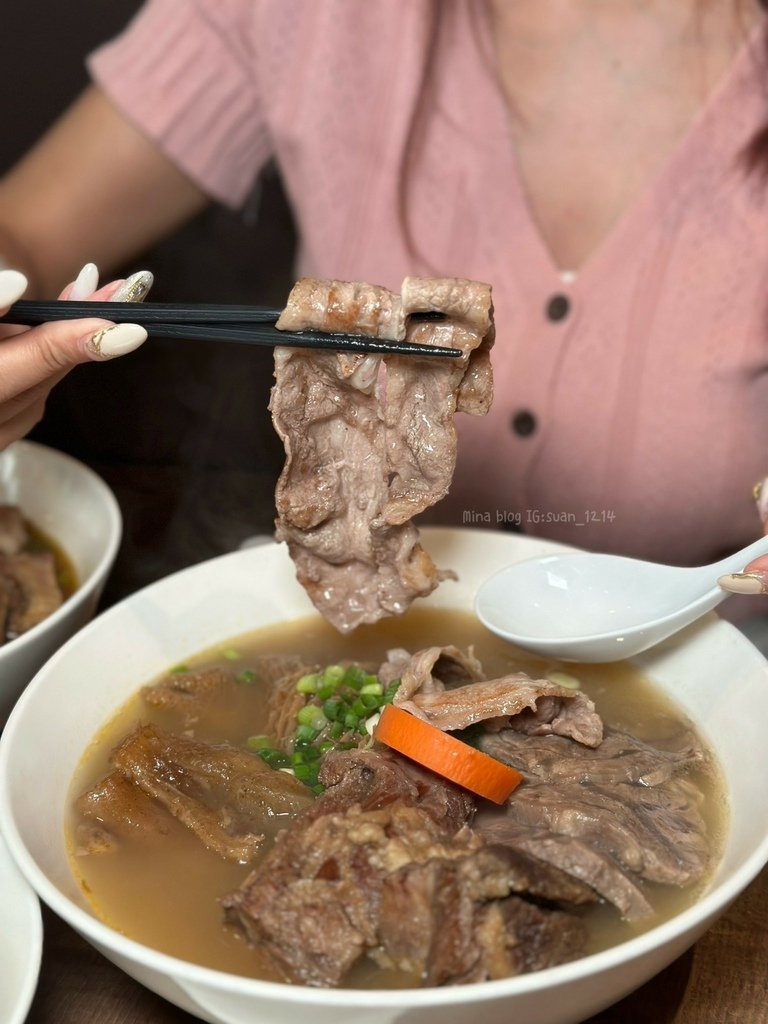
(717, 677)
(75, 508)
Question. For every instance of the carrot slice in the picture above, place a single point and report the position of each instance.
(446, 755)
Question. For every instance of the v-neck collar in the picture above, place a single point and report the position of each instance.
(537, 262)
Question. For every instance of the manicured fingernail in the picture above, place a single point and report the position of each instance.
(744, 583)
(86, 283)
(135, 287)
(116, 340)
(13, 284)
(760, 494)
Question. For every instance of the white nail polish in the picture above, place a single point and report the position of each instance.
(13, 284)
(86, 283)
(116, 341)
(135, 287)
(743, 583)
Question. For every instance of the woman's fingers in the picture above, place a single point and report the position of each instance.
(135, 288)
(86, 286)
(25, 419)
(40, 355)
(33, 360)
(13, 284)
(753, 579)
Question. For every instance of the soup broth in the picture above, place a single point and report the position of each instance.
(65, 570)
(163, 890)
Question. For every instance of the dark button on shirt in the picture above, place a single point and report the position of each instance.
(523, 423)
(558, 307)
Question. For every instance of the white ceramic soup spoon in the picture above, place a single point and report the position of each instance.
(579, 606)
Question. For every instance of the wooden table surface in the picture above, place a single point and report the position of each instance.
(722, 980)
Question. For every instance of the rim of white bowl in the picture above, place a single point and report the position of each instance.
(115, 528)
(33, 924)
(710, 905)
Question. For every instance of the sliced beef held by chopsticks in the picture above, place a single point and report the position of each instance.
(366, 449)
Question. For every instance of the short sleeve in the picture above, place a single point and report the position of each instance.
(184, 74)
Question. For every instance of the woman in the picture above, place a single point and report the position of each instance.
(588, 159)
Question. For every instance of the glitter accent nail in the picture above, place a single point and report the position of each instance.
(135, 288)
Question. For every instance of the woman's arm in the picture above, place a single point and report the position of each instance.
(94, 188)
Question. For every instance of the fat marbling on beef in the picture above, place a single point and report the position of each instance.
(370, 441)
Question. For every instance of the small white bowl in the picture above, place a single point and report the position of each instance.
(714, 674)
(75, 508)
(21, 942)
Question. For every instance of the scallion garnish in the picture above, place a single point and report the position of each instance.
(342, 705)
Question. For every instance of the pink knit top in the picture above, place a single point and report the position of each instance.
(631, 407)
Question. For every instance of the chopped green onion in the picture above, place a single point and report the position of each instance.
(179, 668)
(318, 788)
(326, 690)
(308, 684)
(275, 758)
(258, 742)
(303, 772)
(333, 674)
(351, 721)
(231, 654)
(306, 733)
(355, 677)
(331, 709)
(564, 679)
(372, 688)
(337, 730)
(325, 746)
(312, 715)
(358, 708)
(246, 676)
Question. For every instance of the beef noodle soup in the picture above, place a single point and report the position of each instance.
(36, 576)
(384, 874)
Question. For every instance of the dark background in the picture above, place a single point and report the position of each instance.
(180, 430)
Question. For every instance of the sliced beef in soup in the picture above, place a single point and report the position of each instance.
(573, 856)
(611, 815)
(361, 461)
(533, 706)
(618, 758)
(8, 598)
(456, 921)
(223, 794)
(34, 591)
(334, 886)
(13, 530)
(371, 779)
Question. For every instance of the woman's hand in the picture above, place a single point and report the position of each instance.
(753, 579)
(33, 360)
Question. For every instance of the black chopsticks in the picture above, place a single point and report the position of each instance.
(245, 325)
